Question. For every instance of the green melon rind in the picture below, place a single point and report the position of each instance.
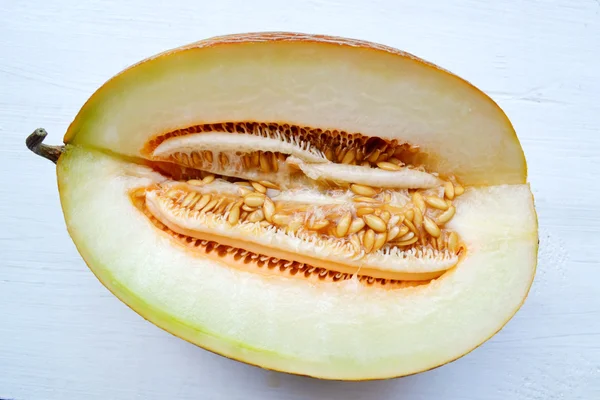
(329, 331)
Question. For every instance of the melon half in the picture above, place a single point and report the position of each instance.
(308, 204)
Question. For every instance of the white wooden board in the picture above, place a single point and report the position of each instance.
(63, 336)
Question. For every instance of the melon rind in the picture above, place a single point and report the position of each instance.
(328, 330)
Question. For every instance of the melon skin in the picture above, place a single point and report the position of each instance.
(330, 331)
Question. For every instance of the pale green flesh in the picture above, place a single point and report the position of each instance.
(338, 330)
(318, 85)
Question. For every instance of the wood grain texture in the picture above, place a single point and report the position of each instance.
(63, 336)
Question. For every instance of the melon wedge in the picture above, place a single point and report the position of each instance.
(308, 204)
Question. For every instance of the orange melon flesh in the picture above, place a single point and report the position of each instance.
(332, 330)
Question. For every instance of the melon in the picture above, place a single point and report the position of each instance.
(309, 204)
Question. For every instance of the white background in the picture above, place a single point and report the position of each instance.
(63, 336)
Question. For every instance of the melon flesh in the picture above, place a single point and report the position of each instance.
(328, 84)
(328, 329)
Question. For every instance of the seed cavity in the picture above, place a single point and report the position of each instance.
(332, 236)
(332, 200)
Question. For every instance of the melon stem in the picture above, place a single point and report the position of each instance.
(34, 143)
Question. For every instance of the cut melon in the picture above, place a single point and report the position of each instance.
(308, 204)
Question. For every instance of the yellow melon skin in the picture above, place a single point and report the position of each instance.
(329, 330)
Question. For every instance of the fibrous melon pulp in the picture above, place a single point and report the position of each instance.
(309, 204)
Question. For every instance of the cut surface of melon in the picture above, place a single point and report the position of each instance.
(327, 84)
(330, 330)
(314, 205)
